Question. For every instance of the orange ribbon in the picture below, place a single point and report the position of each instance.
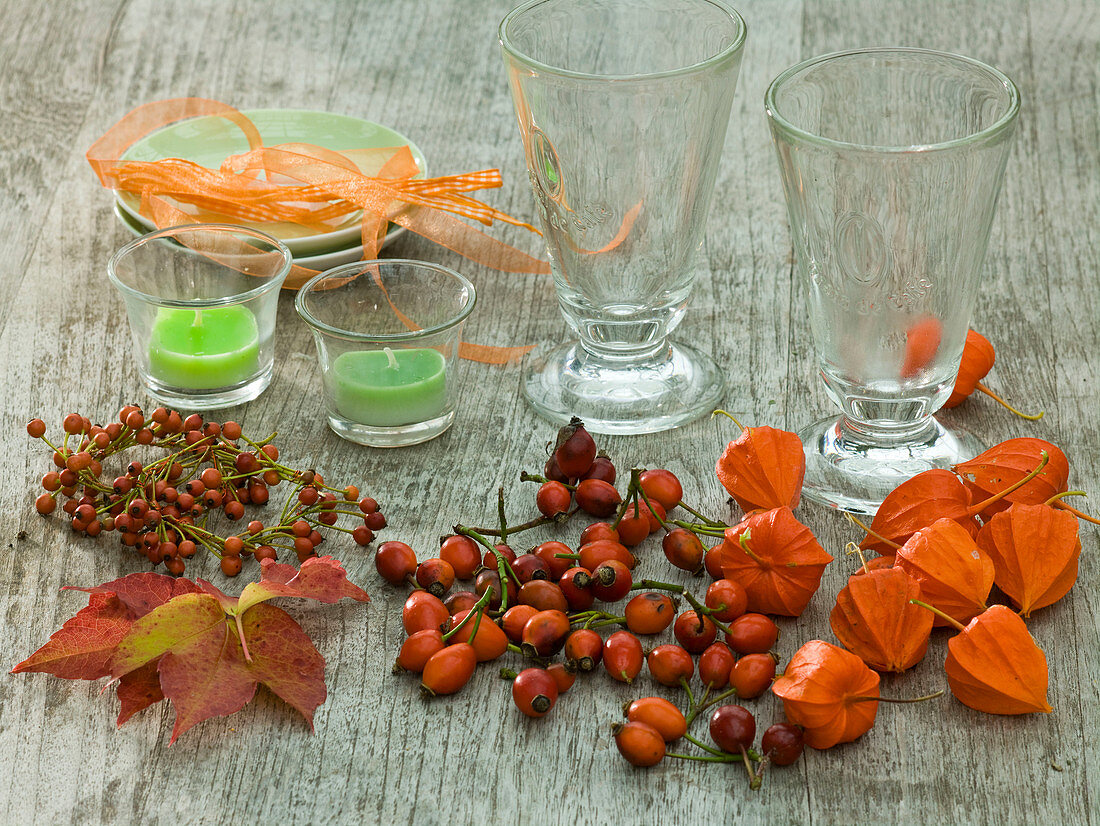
(324, 189)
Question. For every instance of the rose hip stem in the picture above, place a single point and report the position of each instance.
(524, 476)
(481, 603)
(709, 522)
(537, 522)
(504, 570)
(704, 530)
(500, 515)
(641, 491)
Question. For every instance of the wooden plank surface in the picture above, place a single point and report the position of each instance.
(69, 69)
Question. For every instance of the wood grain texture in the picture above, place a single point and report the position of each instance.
(69, 69)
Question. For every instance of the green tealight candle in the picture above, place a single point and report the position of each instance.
(387, 388)
(204, 349)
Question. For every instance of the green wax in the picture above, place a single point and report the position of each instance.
(387, 388)
(204, 349)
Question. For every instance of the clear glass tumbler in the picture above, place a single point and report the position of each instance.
(892, 161)
(623, 107)
(388, 335)
(202, 301)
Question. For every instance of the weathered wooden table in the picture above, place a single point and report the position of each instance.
(69, 69)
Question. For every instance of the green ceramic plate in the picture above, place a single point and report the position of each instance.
(211, 139)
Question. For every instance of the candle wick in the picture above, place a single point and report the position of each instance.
(197, 321)
(393, 360)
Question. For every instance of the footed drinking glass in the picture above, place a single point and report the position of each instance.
(622, 108)
(892, 161)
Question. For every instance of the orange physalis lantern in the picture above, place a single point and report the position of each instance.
(776, 559)
(917, 503)
(1011, 461)
(977, 360)
(934, 494)
(763, 468)
(922, 342)
(953, 574)
(1035, 552)
(830, 692)
(874, 619)
(993, 665)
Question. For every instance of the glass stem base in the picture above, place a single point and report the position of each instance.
(852, 467)
(668, 386)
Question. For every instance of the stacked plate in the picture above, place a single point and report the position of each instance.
(210, 140)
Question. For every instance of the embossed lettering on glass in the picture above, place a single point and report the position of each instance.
(892, 161)
(622, 108)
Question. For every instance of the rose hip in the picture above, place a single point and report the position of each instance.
(575, 450)
(693, 632)
(464, 555)
(553, 498)
(394, 561)
(752, 634)
(597, 498)
(683, 549)
(534, 691)
(585, 648)
(545, 633)
(669, 664)
(659, 713)
(727, 599)
(640, 743)
(752, 675)
(662, 486)
(622, 656)
(649, 613)
(715, 664)
(448, 670)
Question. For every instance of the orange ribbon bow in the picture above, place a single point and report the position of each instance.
(323, 189)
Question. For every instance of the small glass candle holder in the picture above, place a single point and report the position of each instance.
(202, 300)
(387, 336)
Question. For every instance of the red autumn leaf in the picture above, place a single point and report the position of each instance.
(922, 342)
(825, 689)
(205, 651)
(319, 578)
(776, 559)
(953, 574)
(763, 468)
(994, 665)
(203, 667)
(81, 649)
(1005, 464)
(917, 503)
(977, 360)
(1035, 553)
(143, 592)
(873, 618)
(138, 690)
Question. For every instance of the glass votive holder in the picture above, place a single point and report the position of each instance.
(387, 335)
(202, 301)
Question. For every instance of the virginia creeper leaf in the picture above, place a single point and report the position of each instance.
(143, 592)
(321, 578)
(168, 627)
(138, 690)
(160, 637)
(82, 648)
